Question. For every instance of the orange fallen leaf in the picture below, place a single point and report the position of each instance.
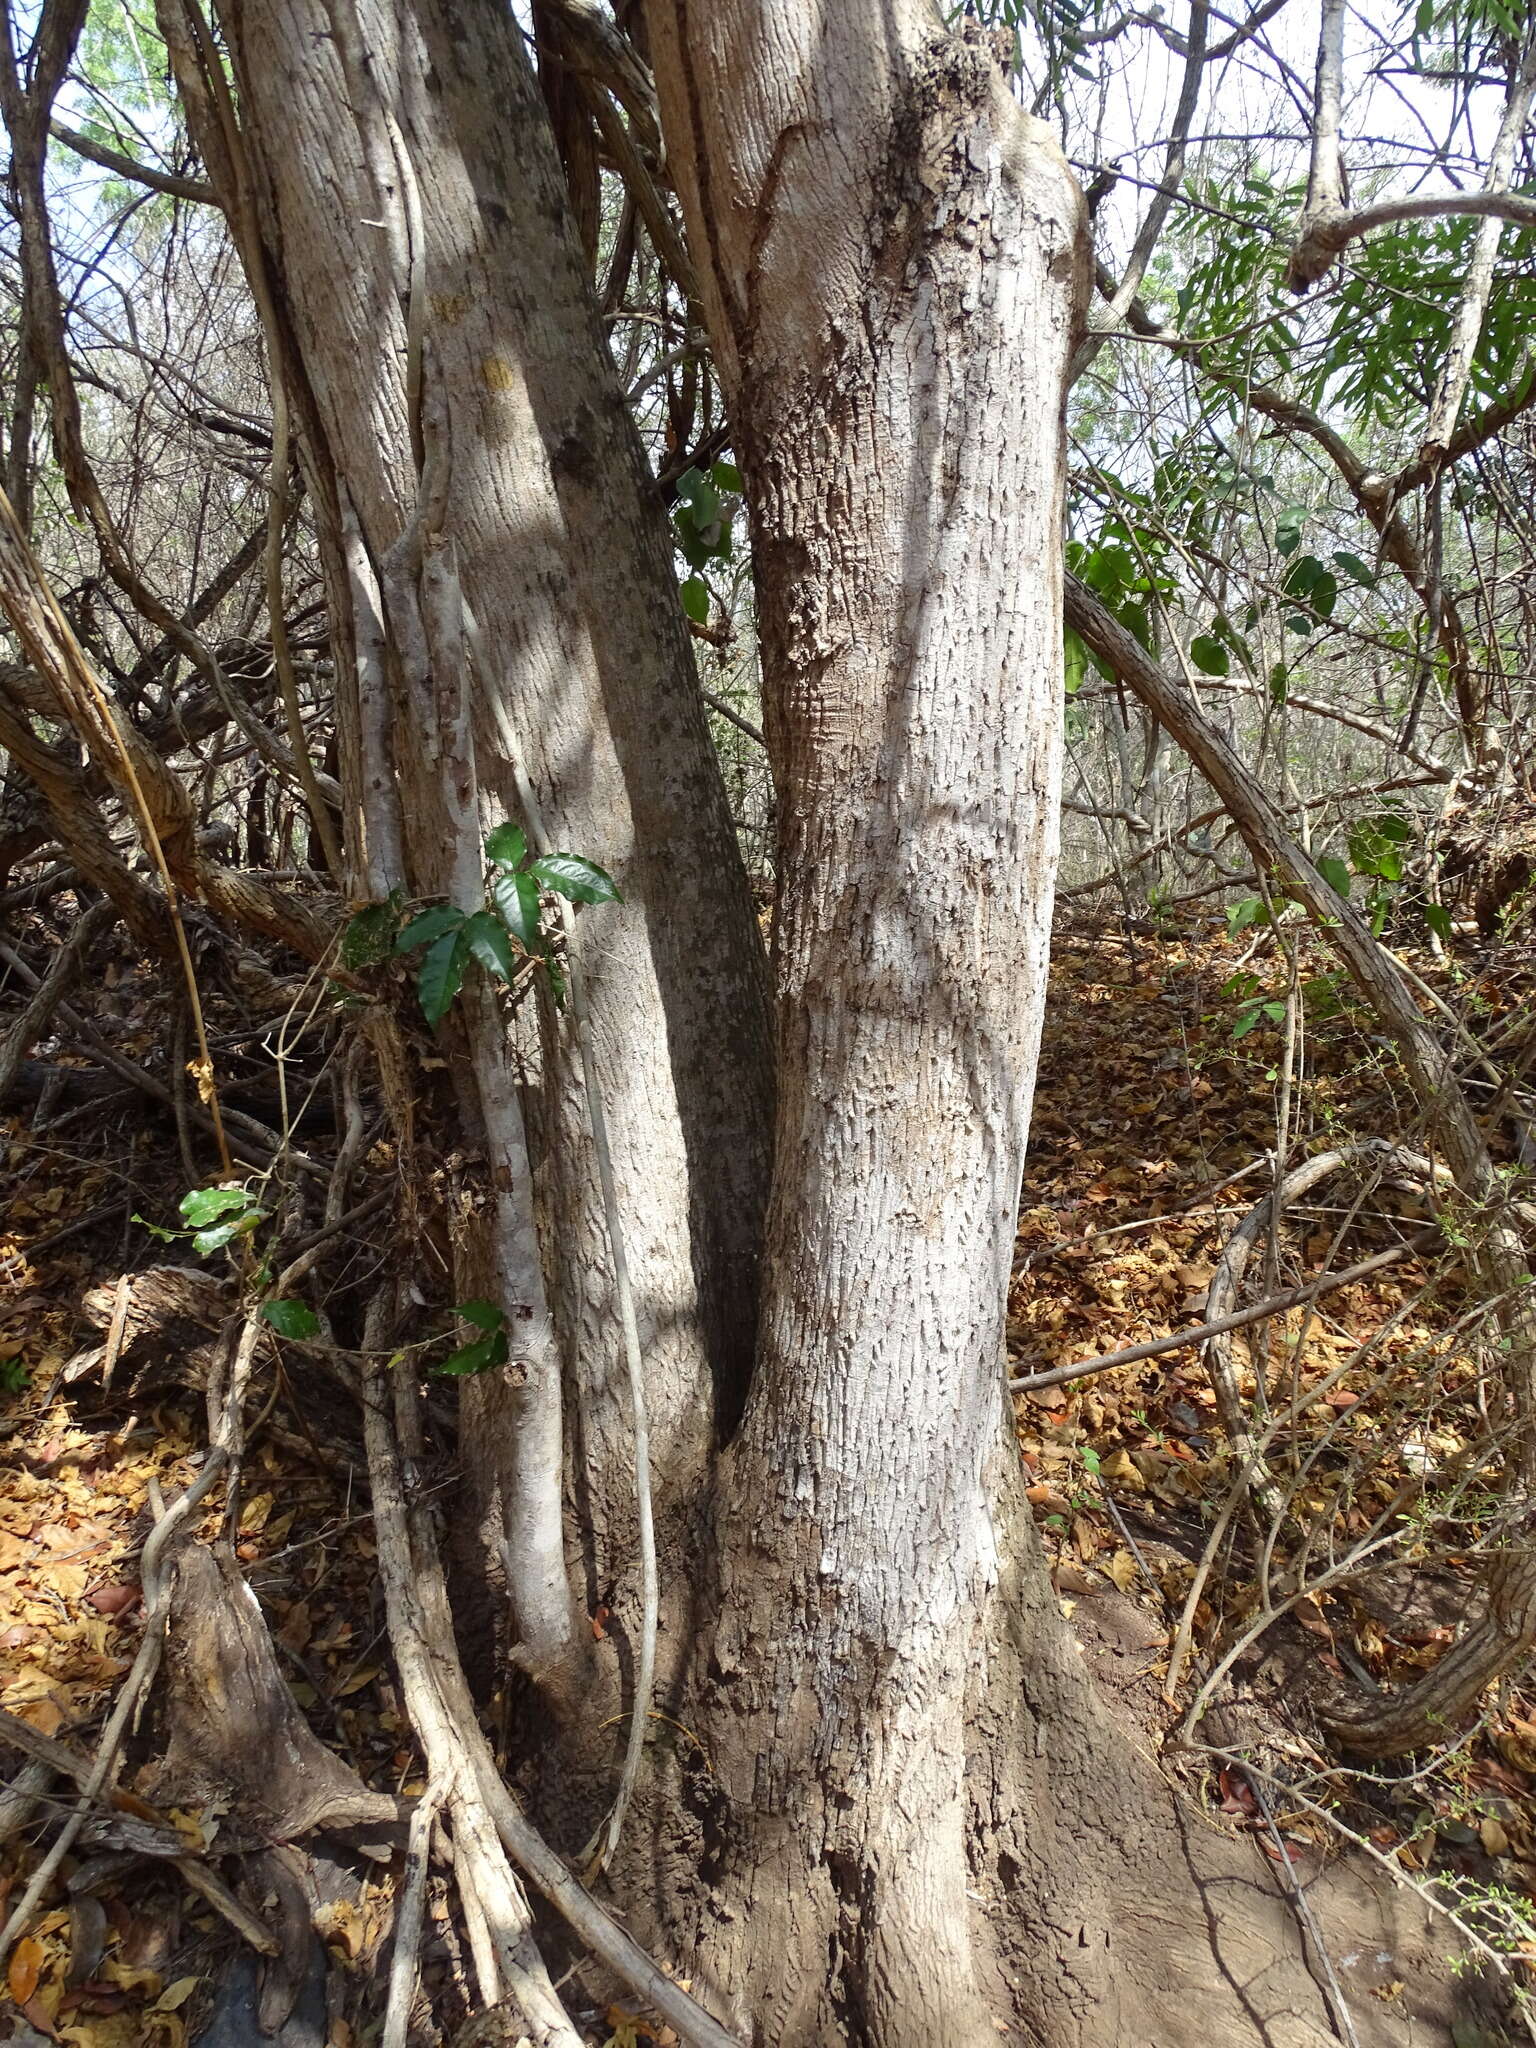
(25, 1969)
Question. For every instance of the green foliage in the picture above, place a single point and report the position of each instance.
(1335, 873)
(511, 918)
(516, 897)
(1210, 656)
(482, 1353)
(702, 522)
(1257, 1010)
(1376, 845)
(1310, 583)
(1236, 236)
(1123, 569)
(291, 1318)
(216, 1216)
(1392, 314)
(441, 974)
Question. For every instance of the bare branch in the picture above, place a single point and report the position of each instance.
(198, 190)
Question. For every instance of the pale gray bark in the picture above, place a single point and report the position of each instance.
(438, 318)
(892, 259)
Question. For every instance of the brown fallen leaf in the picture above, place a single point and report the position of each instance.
(26, 1967)
(1123, 1569)
(113, 1600)
(1120, 1469)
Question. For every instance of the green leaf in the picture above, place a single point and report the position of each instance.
(574, 876)
(368, 937)
(1279, 685)
(1210, 656)
(695, 489)
(291, 1318)
(516, 897)
(206, 1205)
(1288, 528)
(1092, 1462)
(1358, 571)
(431, 924)
(1245, 1020)
(486, 937)
(485, 1315)
(695, 595)
(221, 1234)
(155, 1229)
(1250, 911)
(727, 477)
(442, 974)
(1438, 918)
(1312, 583)
(1335, 873)
(507, 846)
(480, 1356)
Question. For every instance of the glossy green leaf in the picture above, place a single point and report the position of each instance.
(431, 925)
(442, 974)
(695, 595)
(481, 1356)
(727, 477)
(507, 846)
(574, 876)
(516, 897)
(485, 1315)
(221, 1234)
(207, 1205)
(486, 937)
(1438, 918)
(291, 1318)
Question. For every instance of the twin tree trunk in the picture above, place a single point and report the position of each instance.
(914, 1826)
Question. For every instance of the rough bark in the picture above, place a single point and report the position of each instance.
(425, 270)
(917, 1826)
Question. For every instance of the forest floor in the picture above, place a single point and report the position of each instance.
(1154, 1133)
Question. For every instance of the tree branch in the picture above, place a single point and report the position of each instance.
(198, 190)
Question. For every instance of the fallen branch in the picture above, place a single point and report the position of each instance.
(63, 972)
(51, 1759)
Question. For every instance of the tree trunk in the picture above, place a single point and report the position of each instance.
(912, 1822)
(461, 406)
(912, 1794)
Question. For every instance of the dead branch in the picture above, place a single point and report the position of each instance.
(63, 971)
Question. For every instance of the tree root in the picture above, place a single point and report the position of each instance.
(1429, 1710)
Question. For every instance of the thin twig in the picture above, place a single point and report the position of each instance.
(1275, 1304)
